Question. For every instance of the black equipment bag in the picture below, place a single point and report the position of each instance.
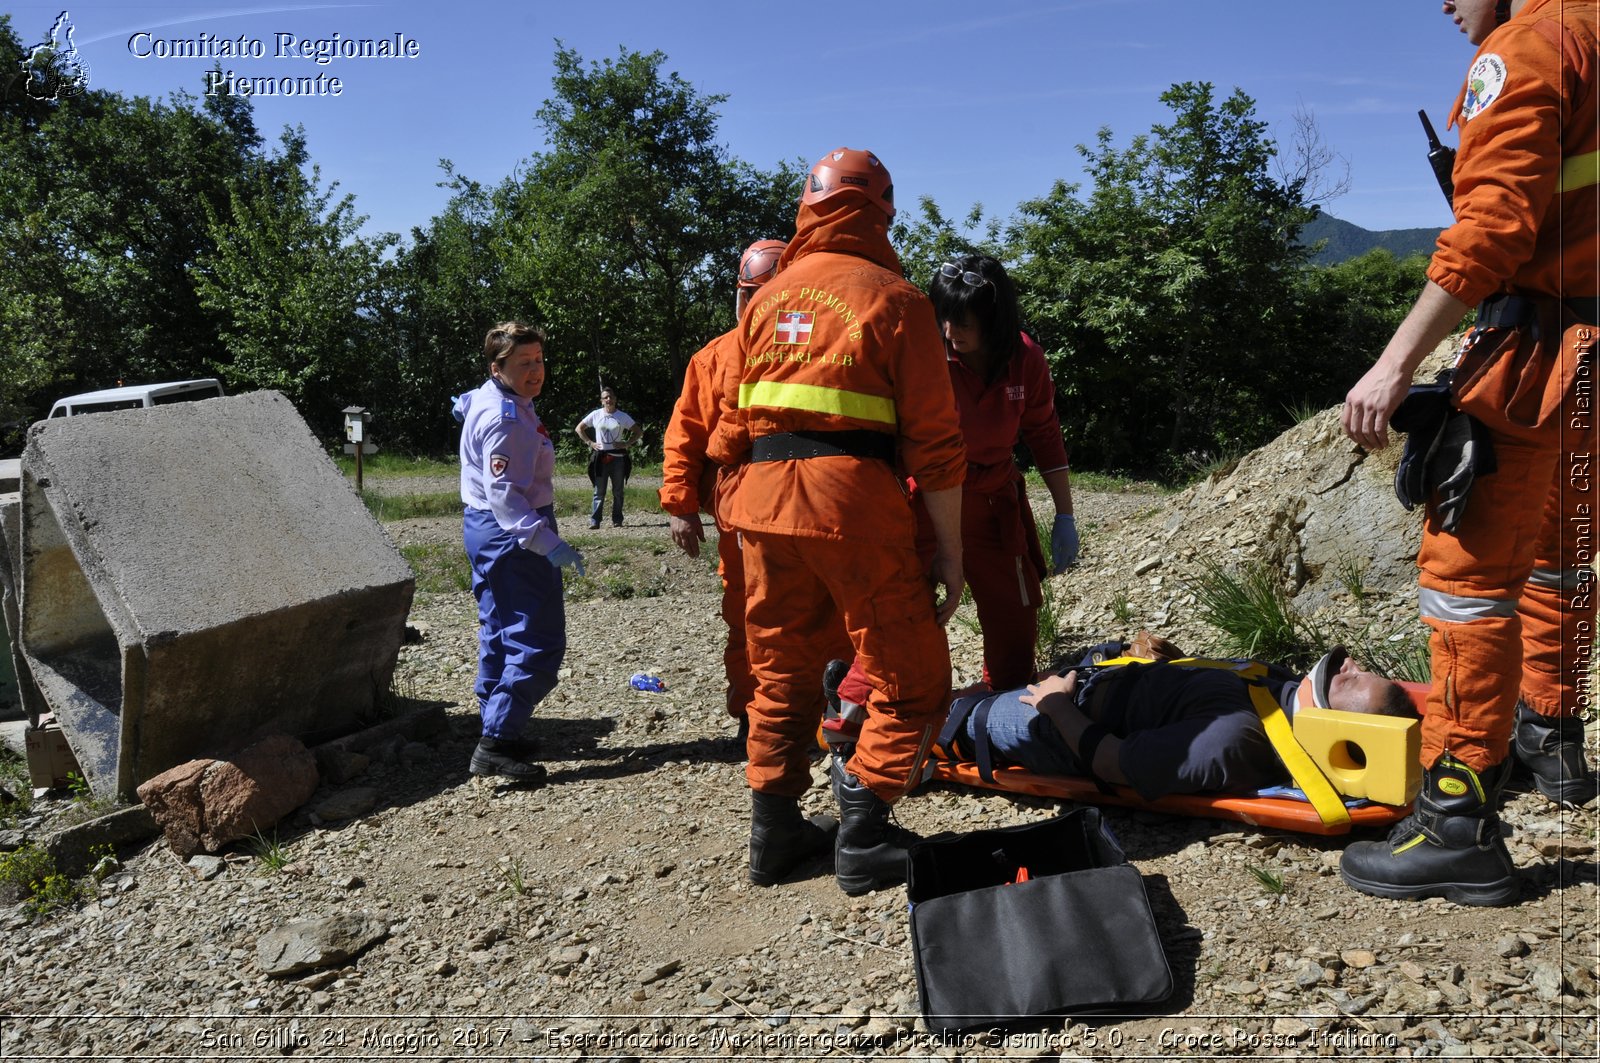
(1076, 935)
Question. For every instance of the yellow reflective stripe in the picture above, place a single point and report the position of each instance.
(1580, 171)
(786, 396)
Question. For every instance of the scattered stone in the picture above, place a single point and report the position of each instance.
(207, 867)
(313, 943)
(1149, 564)
(659, 971)
(1510, 947)
(347, 804)
(338, 766)
(1358, 958)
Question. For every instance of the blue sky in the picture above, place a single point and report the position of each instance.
(974, 102)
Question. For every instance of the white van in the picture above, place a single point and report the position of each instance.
(137, 395)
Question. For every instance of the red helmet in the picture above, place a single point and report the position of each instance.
(850, 169)
(759, 262)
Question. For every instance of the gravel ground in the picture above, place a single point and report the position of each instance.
(607, 916)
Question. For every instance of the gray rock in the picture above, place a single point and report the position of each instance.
(347, 804)
(313, 943)
(207, 867)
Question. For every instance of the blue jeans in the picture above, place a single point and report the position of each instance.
(522, 624)
(610, 472)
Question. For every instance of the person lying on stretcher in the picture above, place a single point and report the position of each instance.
(1165, 728)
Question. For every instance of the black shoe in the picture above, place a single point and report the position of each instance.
(1450, 845)
(593, 524)
(870, 853)
(616, 523)
(500, 756)
(1551, 748)
(781, 839)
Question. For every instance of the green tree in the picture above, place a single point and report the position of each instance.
(1166, 296)
(295, 288)
(104, 204)
(631, 224)
(460, 275)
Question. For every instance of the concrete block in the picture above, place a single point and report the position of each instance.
(195, 577)
(18, 694)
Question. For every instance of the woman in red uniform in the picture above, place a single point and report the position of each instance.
(1005, 397)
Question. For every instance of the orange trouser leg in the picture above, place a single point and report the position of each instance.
(735, 662)
(1558, 604)
(1471, 581)
(798, 589)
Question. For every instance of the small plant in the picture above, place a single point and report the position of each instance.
(269, 852)
(1122, 609)
(1302, 410)
(1051, 630)
(1253, 611)
(78, 786)
(30, 874)
(516, 880)
(1351, 576)
(1271, 881)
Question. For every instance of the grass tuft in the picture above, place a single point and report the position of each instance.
(269, 852)
(1254, 613)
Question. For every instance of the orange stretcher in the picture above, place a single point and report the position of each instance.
(1282, 813)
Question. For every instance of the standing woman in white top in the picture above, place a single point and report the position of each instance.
(610, 433)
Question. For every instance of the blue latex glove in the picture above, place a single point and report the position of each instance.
(566, 555)
(1063, 542)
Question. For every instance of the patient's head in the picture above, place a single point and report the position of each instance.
(1352, 688)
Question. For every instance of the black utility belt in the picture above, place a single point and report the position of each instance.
(1514, 311)
(852, 443)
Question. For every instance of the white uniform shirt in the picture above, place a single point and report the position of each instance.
(508, 463)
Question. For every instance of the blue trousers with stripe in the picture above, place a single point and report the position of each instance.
(522, 623)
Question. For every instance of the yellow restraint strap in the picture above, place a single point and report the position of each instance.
(1318, 790)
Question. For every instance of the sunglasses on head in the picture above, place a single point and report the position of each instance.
(969, 278)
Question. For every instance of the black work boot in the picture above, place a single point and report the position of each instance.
(507, 758)
(781, 839)
(870, 853)
(1551, 748)
(1450, 845)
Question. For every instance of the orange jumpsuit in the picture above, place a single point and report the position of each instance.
(839, 341)
(1510, 594)
(689, 486)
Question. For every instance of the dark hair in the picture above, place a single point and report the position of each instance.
(991, 306)
(507, 337)
(1396, 702)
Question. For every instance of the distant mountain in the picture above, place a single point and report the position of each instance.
(1345, 240)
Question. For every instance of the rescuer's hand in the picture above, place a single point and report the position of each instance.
(946, 572)
(687, 533)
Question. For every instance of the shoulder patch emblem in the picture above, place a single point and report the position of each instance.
(1484, 82)
(508, 410)
(498, 464)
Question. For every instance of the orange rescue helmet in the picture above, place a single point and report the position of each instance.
(759, 262)
(850, 170)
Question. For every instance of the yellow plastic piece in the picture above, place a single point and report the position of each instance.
(1376, 757)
